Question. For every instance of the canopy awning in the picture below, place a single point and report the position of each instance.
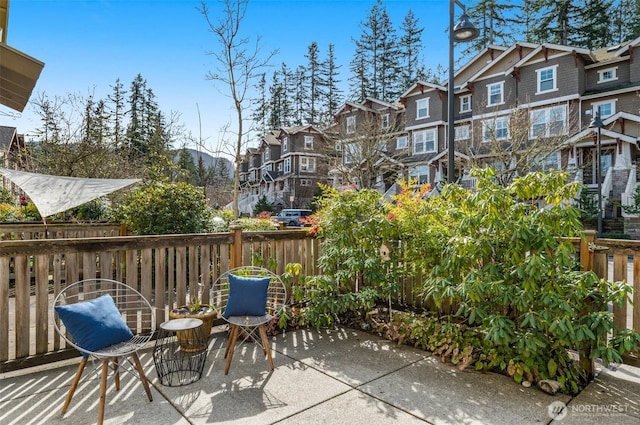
(54, 194)
(19, 73)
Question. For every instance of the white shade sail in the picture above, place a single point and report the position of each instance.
(54, 194)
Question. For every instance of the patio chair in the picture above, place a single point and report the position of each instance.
(248, 298)
(96, 316)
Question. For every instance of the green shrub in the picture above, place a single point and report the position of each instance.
(166, 208)
(10, 213)
(6, 197)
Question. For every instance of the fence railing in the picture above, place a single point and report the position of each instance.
(166, 269)
(29, 231)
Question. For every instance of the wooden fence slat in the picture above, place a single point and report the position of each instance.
(160, 285)
(4, 308)
(181, 276)
(22, 307)
(620, 265)
(41, 267)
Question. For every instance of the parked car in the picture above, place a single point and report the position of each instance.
(291, 217)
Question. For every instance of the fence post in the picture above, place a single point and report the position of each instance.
(586, 264)
(236, 248)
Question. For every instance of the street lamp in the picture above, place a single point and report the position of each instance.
(464, 30)
(596, 122)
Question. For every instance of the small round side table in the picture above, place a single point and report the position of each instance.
(180, 352)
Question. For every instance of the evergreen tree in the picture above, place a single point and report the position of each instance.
(410, 48)
(118, 112)
(313, 85)
(332, 96)
(277, 101)
(262, 206)
(553, 21)
(359, 80)
(594, 24)
(493, 19)
(299, 96)
(625, 20)
(187, 170)
(261, 105)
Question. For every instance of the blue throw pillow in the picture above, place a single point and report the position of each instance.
(94, 324)
(247, 296)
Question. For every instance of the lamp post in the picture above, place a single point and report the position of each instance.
(464, 30)
(596, 122)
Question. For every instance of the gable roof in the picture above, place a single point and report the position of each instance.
(505, 61)
(420, 86)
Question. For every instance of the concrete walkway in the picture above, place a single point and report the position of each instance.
(321, 377)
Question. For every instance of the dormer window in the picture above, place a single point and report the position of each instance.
(285, 144)
(609, 74)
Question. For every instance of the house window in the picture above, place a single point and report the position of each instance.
(609, 74)
(547, 80)
(308, 142)
(547, 162)
(285, 144)
(307, 164)
(351, 125)
(385, 121)
(352, 152)
(548, 122)
(402, 142)
(606, 108)
(305, 182)
(495, 94)
(461, 132)
(266, 154)
(465, 103)
(280, 167)
(419, 174)
(495, 129)
(287, 165)
(424, 141)
(422, 108)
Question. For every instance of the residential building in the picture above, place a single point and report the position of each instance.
(518, 108)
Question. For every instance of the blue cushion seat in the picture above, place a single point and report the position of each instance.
(247, 296)
(94, 324)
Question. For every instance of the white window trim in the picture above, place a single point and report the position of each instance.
(494, 120)
(285, 143)
(614, 71)
(351, 124)
(547, 121)
(426, 100)
(425, 150)
(306, 139)
(305, 182)
(458, 130)
(386, 120)
(406, 142)
(554, 68)
(596, 105)
(307, 164)
(501, 102)
(287, 165)
(466, 96)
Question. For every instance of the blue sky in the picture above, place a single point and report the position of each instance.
(87, 44)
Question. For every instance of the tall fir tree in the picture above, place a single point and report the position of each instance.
(410, 49)
(332, 96)
(313, 85)
(594, 24)
(554, 22)
(494, 19)
(625, 20)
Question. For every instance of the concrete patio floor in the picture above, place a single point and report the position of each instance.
(322, 377)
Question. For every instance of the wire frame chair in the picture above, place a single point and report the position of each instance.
(242, 328)
(139, 316)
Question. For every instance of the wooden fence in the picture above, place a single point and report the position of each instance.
(166, 269)
(29, 231)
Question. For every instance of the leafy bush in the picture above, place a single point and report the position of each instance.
(166, 208)
(6, 197)
(499, 274)
(10, 213)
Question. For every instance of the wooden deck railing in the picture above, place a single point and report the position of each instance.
(165, 269)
